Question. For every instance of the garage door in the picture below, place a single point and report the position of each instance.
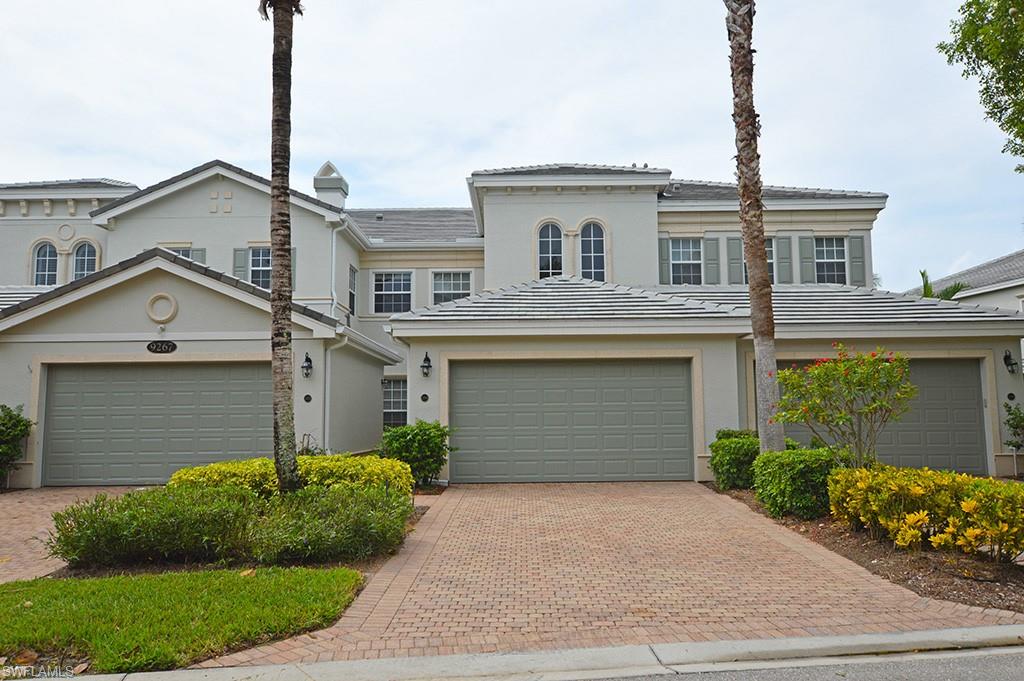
(551, 421)
(945, 427)
(137, 424)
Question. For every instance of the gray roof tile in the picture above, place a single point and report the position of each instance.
(416, 224)
(83, 183)
(1003, 269)
(12, 295)
(570, 169)
(699, 190)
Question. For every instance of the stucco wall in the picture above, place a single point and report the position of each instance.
(1008, 298)
(20, 236)
(355, 401)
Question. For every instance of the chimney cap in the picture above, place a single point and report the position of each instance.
(328, 178)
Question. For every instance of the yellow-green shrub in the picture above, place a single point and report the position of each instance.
(912, 506)
(319, 471)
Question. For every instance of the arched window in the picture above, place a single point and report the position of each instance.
(85, 260)
(44, 265)
(592, 251)
(550, 250)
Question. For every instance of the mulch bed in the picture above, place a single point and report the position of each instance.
(430, 490)
(946, 575)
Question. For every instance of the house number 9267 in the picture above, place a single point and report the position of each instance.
(162, 347)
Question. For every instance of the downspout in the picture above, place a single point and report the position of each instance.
(327, 387)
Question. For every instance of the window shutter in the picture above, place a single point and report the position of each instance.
(807, 274)
(858, 270)
(199, 255)
(241, 264)
(295, 263)
(734, 253)
(712, 268)
(784, 259)
(664, 269)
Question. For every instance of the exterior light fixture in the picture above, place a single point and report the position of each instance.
(426, 366)
(1010, 362)
(307, 367)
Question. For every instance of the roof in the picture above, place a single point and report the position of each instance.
(416, 224)
(571, 169)
(216, 163)
(12, 295)
(699, 190)
(150, 254)
(82, 183)
(1004, 269)
(562, 298)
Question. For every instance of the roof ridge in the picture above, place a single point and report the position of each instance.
(583, 166)
(716, 183)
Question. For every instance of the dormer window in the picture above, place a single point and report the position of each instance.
(550, 250)
(85, 260)
(592, 259)
(44, 265)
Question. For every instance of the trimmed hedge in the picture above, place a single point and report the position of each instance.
(732, 458)
(795, 482)
(947, 510)
(729, 433)
(231, 525)
(259, 476)
(423, 445)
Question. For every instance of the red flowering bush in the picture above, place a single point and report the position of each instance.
(847, 401)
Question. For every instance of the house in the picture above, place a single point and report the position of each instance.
(996, 283)
(575, 323)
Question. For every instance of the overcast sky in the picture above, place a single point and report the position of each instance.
(408, 97)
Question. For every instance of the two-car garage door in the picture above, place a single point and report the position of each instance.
(138, 423)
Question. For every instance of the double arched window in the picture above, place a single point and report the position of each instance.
(84, 261)
(549, 250)
(44, 264)
(592, 265)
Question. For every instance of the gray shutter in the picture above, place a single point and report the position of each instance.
(241, 264)
(858, 271)
(712, 268)
(294, 268)
(664, 268)
(734, 254)
(807, 272)
(199, 255)
(783, 260)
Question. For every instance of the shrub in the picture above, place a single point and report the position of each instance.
(917, 507)
(729, 433)
(233, 525)
(322, 470)
(848, 400)
(423, 445)
(14, 428)
(795, 482)
(733, 456)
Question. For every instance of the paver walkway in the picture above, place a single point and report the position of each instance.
(25, 522)
(494, 568)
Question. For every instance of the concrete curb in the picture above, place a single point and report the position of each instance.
(596, 663)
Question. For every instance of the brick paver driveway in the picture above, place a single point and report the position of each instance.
(25, 519)
(520, 567)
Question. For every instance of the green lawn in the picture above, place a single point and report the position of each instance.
(168, 620)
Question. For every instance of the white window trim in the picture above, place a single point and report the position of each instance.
(74, 256)
(846, 255)
(353, 289)
(607, 247)
(442, 270)
(536, 245)
(371, 300)
(395, 411)
(671, 262)
(249, 267)
(32, 262)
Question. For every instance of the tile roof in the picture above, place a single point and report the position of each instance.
(564, 298)
(699, 190)
(1003, 269)
(202, 168)
(570, 169)
(82, 183)
(142, 257)
(12, 295)
(416, 224)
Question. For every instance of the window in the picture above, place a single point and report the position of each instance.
(684, 256)
(85, 261)
(396, 395)
(259, 266)
(769, 249)
(353, 276)
(44, 265)
(392, 292)
(550, 250)
(830, 260)
(592, 251)
(185, 252)
(449, 286)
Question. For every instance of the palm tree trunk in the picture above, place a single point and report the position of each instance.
(739, 22)
(282, 364)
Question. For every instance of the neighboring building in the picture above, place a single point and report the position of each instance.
(577, 322)
(996, 283)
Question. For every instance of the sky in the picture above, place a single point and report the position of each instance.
(407, 98)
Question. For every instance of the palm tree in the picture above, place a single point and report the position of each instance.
(739, 24)
(285, 463)
(947, 293)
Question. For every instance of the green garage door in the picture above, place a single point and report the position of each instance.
(945, 427)
(136, 424)
(555, 421)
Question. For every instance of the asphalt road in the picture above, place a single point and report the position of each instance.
(998, 665)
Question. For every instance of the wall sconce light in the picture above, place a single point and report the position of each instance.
(426, 366)
(1010, 362)
(307, 367)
